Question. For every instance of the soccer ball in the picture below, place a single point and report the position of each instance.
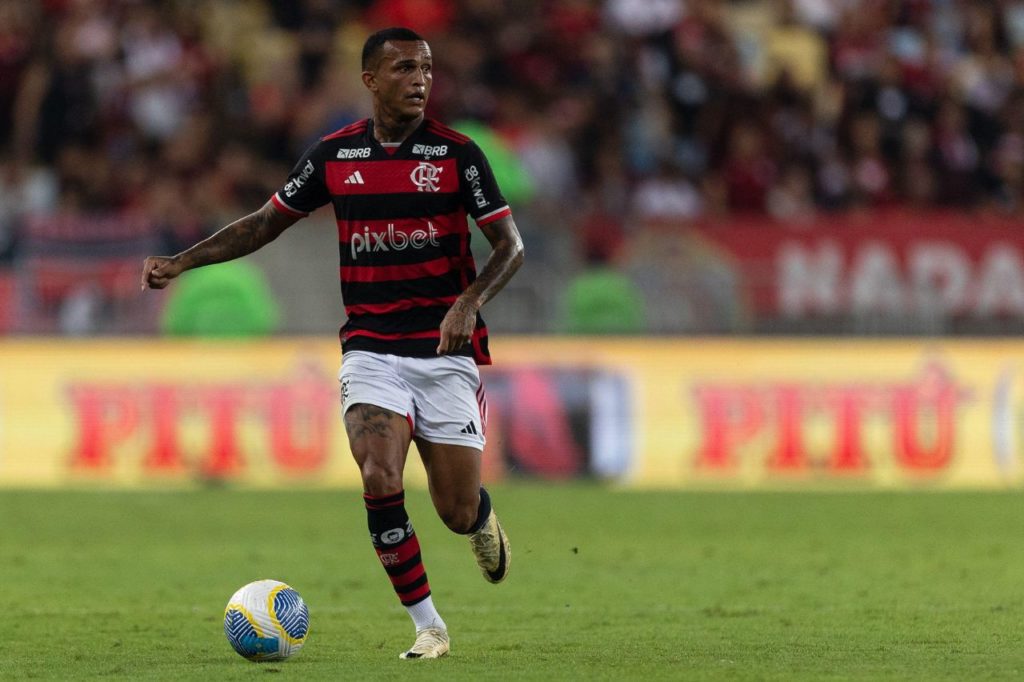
(266, 620)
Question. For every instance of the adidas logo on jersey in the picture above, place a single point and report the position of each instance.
(470, 428)
(355, 179)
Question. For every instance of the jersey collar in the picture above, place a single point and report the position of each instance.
(402, 149)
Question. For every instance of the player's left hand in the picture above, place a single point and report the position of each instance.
(457, 327)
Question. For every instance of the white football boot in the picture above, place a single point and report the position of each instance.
(430, 643)
(490, 545)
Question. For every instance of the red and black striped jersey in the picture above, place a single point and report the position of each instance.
(403, 236)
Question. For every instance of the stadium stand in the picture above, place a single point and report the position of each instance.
(669, 113)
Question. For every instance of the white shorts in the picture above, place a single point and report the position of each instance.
(442, 397)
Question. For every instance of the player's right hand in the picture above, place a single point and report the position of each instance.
(158, 271)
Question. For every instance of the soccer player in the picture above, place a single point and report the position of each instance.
(401, 186)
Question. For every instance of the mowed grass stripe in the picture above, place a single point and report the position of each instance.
(605, 585)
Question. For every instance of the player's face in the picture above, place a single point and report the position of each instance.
(401, 82)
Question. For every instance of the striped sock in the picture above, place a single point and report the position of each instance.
(398, 549)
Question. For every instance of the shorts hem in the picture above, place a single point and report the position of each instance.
(452, 440)
(400, 411)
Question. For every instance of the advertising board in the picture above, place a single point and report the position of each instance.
(703, 412)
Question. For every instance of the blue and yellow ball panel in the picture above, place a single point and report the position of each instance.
(245, 638)
(292, 614)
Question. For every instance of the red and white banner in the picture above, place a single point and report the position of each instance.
(890, 263)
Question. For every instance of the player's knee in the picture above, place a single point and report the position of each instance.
(381, 480)
(459, 515)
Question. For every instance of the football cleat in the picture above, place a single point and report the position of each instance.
(430, 643)
(490, 545)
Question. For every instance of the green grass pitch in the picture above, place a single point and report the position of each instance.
(605, 585)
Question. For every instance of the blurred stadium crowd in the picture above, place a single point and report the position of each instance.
(133, 126)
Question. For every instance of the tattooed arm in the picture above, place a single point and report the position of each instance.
(238, 239)
(506, 257)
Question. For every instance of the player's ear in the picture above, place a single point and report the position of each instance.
(370, 80)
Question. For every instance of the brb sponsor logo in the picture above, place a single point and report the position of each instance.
(392, 240)
(359, 153)
(426, 177)
(472, 175)
(429, 150)
(296, 183)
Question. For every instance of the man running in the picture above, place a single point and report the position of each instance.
(401, 186)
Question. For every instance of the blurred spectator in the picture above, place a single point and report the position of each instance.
(795, 53)
(160, 88)
(24, 190)
(872, 184)
(80, 310)
(668, 196)
(645, 17)
(224, 300)
(748, 169)
(791, 200)
(959, 155)
(602, 299)
(18, 25)
(515, 182)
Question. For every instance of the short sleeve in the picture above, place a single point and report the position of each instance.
(481, 196)
(305, 190)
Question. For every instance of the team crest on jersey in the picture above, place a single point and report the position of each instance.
(425, 177)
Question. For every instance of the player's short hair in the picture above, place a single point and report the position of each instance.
(373, 45)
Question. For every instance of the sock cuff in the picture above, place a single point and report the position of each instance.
(376, 502)
(482, 512)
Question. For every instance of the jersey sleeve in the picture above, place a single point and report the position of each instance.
(305, 190)
(481, 196)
